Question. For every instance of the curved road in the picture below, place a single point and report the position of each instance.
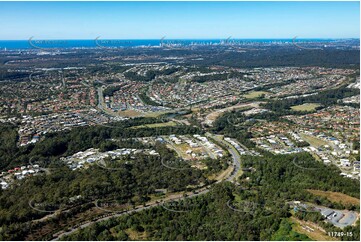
(235, 155)
(236, 164)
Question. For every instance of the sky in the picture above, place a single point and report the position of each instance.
(178, 20)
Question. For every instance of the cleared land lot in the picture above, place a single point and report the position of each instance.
(336, 197)
(129, 113)
(183, 148)
(306, 107)
(187, 152)
(211, 117)
(305, 227)
(315, 142)
(255, 94)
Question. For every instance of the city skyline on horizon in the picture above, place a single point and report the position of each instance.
(34, 38)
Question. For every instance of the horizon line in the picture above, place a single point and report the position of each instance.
(165, 39)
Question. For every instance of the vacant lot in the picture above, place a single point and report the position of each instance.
(315, 142)
(336, 197)
(255, 94)
(154, 114)
(306, 107)
(129, 113)
(211, 117)
(310, 229)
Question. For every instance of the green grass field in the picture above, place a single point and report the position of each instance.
(254, 94)
(306, 107)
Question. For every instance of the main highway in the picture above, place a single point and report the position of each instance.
(235, 155)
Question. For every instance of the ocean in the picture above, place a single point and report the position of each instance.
(113, 43)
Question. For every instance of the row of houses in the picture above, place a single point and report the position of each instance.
(18, 173)
(85, 158)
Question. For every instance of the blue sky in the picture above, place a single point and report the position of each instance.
(186, 20)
